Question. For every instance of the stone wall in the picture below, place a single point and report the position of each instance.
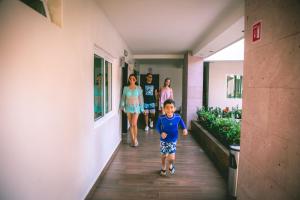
(270, 135)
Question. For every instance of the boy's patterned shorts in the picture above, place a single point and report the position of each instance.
(167, 147)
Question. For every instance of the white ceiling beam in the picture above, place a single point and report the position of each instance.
(225, 32)
(158, 56)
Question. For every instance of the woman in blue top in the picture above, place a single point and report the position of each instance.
(167, 127)
(132, 103)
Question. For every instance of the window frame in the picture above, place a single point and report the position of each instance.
(235, 86)
(99, 52)
(108, 90)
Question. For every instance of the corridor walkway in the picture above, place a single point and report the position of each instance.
(134, 173)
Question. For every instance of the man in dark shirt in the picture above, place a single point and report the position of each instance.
(150, 94)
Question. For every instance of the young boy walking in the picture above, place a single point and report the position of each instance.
(167, 127)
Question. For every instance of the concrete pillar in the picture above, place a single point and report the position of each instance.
(270, 135)
(192, 87)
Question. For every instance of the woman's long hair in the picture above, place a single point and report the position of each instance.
(166, 81)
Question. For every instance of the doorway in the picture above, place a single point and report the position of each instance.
(124, 83)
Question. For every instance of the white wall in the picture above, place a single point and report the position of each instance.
(164, 71)
(218, 83)
(50, 146)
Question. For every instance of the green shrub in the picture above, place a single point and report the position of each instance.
(221, 123)
(237, 113)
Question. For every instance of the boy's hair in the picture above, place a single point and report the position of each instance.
(169, 101)
(148, 74)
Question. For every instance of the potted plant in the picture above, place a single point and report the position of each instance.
(221, 123)
(215, 130)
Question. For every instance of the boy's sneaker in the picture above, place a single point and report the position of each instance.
(147, 128)
(172, 169)
(163, 172)
(151, 124)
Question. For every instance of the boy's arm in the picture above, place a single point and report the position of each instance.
(181, 123)
(184, 132)
(159, 129)
(156, 94)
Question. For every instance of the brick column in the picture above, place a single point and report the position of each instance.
(192, 87)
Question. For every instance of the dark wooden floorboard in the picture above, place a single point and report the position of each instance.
(134, 173)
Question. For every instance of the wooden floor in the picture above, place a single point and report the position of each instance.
(134, 173)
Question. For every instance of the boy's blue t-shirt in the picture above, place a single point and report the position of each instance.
(169, 126)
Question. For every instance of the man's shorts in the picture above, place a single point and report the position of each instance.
(149, 107)
(167, 147)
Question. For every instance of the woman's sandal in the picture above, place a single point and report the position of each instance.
(172, 170)
(163, 172)
(136, 144)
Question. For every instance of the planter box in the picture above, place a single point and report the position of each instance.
(216, 151)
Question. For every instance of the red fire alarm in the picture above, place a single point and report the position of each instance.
(256, 31)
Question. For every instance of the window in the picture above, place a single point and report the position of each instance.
(51, 9)
(108, 87)
(102, 87)
(234, 86)
(37, 5)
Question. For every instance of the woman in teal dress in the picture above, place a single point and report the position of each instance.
(132, 103)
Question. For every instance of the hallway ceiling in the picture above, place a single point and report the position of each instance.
(176, 26)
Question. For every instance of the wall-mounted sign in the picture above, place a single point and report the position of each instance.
(256, 31)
